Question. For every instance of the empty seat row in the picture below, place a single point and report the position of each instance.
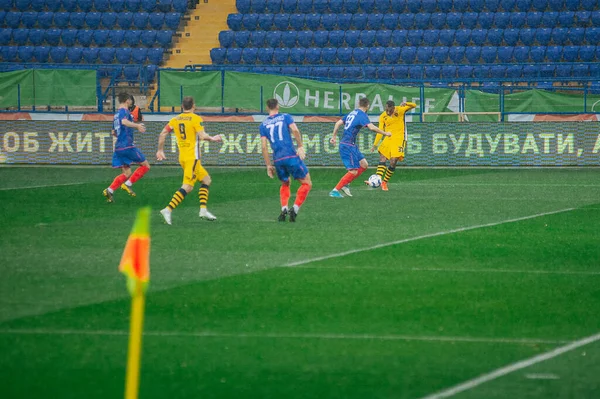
(61, 54)
(485, 20)
(91, 20)
(401, 6)
(417, 37)
(97, 5)
(101, 38)
(406, 55)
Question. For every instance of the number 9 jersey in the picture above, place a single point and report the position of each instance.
(186, 127)
(276, 129)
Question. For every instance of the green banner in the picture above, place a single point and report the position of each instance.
(14, 85)
(205, 87)
(61, 87)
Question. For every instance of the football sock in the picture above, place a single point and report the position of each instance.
(117, 182)
(177, 198)
(388, 173)
(137, 175)
(203, 195)
(346, 179)
(381, 169)
(301, 195)
(284, 194)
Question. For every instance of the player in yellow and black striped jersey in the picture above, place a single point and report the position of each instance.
(393, 147)
(189, 130)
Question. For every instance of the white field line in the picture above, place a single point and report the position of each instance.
(433, 184)
(470, 384)
(542, 377)
(439, 233)
(266, 335)
(451, 270)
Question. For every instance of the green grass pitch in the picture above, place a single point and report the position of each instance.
(452, 274)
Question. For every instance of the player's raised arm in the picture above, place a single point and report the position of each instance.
(296, 132)
(160, 153)
(408, 105)
(375, 129)
(204, 136)
(139, 126)
(267, 157)
(337, 126)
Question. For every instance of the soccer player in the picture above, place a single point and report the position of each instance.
(352, 158)
(189, 130)
(125, 152)
(392, 148)
(288, 161)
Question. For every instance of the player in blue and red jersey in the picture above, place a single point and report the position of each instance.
(126, 152)
(352, 158)
(288, 160)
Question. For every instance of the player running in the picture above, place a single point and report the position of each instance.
(352, 158)
(189, 130)
(125, 152)
(392, 148)
(275, 129)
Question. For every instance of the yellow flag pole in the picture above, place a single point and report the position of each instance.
(132, 378)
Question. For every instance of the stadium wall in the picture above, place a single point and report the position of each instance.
(429, 144)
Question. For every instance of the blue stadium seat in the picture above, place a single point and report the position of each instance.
(527, 36)
(440, 54)
(352, 37)
(385, 72)
(172, 20)
(90, 55)
(68, 5)
(481, 71)
(464, 72)
(518, 19)
(305, 39)
(382, 6)
(52, 36)
(25, 53)
(592, 35)
(454, 20)
(273, 6)
(400, 37)
(297, 55)
(583, 18)
(155, 55)
(587, 53)
(438, 20)
(383, 37)
(479, 36)
(547, 70)
(488, 54)
(157, 20)
(413, 6)
(234, 55)
(329, 21)
(367, 6)
(431, 37)
(543, 36)
(576, 36)
(444, 5)
(580, 71)
(463, 37)
(258, 6)
(75, 54)
(353, 73)
(408, 54)
(477, 5)
(422, 20)
(511, 36)
(164, 38)
(401, 71)
(250, 21)
(572, 5)
(265, 22)
(486, 20)
(406, 21)
(502, 20)
(20, 36)
(359, 21)
(313, 55)
(148, 5)
(61, 19)
(271, 39)
(505, 54)
(432, 72)
(140, 55)
(297, 21)
(5, 36)
(534, 19)
(390, 21)
(9, 53)
(424, 54)
(376, 55)
(461, 5)
(329, 55)
(288, 6)
(415, 37)
(589, 5)
(85, 5)
(497, 71)
(102, 5)
(76, 20)
(456, 54)
(360, 55)
(125, 20)
(44, 19)
(289, 39)
(41, 53)
(29, 19)
(243, 6)
(147, 38)
(58, 54)
(234, 21)
(305, 6)
(132, 38)
(514, 71)
(367, 38)
(563, 70)
(524, 5)
(265, 55)
(549, 19)
(140, 20)
(392, 54)
(312, 21)
(116, 37)
(123, 55)
(539, 5)
(336, 72)
(13, 19)
(226, 38)
(321, 38)
(257, 38)
(92, 19)
(509, 5)
(36, 5)
(281, 21)
(120, 5)
(370, 71)
(469, 20)
(131, 74)
(281, 55)
(344, 55)
(36, 36)
(566, 19)
(570, 53)
(560, 36)
(374, 21)
(448, 72)
(594, 71)
(554, 53)
(537, 53)
(106, 55)
(473, 54)
(447, 37)
(217, 55)
(109, 20)
(241, 38)
(521, 54)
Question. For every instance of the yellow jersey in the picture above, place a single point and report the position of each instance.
(186, 127)
(395, 124)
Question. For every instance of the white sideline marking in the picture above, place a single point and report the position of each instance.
(43, 186)
(267, 335)
(542, 377)
(450, 270)
(465, 386)
(439, 233)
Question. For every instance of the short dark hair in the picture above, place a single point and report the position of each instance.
(188, 102)
(390, 104)
(272, 103)
(364, 102)
(123, 97)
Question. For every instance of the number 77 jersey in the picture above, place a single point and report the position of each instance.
(186, 126)
(276, 129)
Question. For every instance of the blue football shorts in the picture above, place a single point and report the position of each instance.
(292, 166)
(351, 156)
(126, 157)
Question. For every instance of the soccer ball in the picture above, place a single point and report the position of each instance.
(374, 181)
